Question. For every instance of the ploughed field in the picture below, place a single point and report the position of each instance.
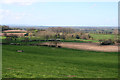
(51, 62)
(88, 46)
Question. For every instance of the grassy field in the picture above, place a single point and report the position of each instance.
(77, 41)
(102, 36)
(48, 62)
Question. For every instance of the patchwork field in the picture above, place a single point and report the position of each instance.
(49, 62)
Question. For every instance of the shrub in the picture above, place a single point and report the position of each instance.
(63, 37)
(59, 46)
(8, 40)
(77, 37)
(106, 42)
(117, 41)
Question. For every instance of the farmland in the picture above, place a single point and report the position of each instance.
(59, 40)
(59, 52)
(103, 36)
(48, 62)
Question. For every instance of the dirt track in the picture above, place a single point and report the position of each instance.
(89, 46)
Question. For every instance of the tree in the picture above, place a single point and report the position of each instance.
(45, 34)
(26, 34)
(47, 37)
(4, 27)
(106, 42)
(77, 37)
(63, 37)
(61, 30)
(115, 31)
(14, 37)
(8, 40)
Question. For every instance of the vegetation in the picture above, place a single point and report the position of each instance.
(48, 62)
(25, 57)
(103, 36)
(106, 42)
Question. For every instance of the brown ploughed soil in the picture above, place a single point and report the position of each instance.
(89, 46)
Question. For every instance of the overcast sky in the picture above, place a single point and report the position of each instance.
(34, 12)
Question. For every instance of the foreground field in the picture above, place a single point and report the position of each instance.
(48, 62)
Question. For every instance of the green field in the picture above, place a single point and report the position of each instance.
(49, 62)
(102, 36)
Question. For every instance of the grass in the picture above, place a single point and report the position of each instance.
(22, 38)
(1, 37)
(86, 40)
(78, 41)
(48, 62)
(102, 36)
(96, 37)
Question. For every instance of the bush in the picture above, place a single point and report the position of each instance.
(117, 41)
(106, 42)
(8, 40)
(63, 37)
(59, 46)
(77, 37)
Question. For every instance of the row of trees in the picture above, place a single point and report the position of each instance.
(53, 35)
(4, 27)
(60, 33)
(109, 42)
(61, 30)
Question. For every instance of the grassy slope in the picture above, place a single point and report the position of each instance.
(44, 62)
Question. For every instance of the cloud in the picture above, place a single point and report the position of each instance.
(3, 13)
(7, 14)
(18, 17)
(30, 2)
(18, 2)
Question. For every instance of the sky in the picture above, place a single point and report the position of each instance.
(55, 13)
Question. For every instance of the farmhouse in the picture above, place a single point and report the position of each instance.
(14, 33)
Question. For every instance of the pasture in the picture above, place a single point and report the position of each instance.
(50, 62)
(103, 36)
